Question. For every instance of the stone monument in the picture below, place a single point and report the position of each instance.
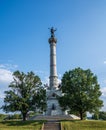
(53, 92)
(53, 111)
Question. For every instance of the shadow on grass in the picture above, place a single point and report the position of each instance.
(70, 120)
(22, 123)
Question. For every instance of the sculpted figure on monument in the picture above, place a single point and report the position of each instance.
(52, 30)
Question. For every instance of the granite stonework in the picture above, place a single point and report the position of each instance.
(53, 92)
(53, 107)
(54, 111)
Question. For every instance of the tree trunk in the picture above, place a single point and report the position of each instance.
(24, 116)
(81, 115)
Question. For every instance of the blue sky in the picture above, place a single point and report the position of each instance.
(24, 33)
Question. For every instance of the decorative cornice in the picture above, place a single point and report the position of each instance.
(52, 40)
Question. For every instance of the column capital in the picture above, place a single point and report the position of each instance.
(52, 40)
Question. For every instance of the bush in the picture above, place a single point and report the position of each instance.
(11, 117)
(100, 115)
(2, 116)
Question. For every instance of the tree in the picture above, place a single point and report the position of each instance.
(95, 116)
(81, 92)
(100, 115)
(25, 94)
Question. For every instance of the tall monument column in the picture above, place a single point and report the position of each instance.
(53, 107)
(53, 70)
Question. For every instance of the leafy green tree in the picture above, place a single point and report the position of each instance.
(25, 94)
(95, 116)
(2, 116)
(101, 115)
(81, 92)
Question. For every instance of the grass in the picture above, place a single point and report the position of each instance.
(83, 125)
(21, 125)
(66, 125)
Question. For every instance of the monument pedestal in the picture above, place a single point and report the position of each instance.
(53, 112)
(53, 107)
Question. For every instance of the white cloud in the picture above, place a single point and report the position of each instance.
(104, 81)
(104, 103)
(46, 80)
(5, 75)
(103, 97)
(104, 62)
(103, 90)
(8, 66)
(2, 66)
(5, 79)
(1, 95)
(59, 76)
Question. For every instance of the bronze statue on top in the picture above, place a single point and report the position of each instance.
(52, 30)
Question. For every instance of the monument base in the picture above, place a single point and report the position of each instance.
(53, 113)
(55, 117)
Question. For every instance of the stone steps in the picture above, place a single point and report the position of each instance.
(52, 118)
(52, 126)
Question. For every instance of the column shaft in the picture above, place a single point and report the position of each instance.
(53, 69)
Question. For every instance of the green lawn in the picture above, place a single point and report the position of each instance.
(83, 125)
(66, 125)
(21, 125)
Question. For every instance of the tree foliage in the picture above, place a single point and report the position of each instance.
(100, 115)
(81, 92)
(25, 94)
